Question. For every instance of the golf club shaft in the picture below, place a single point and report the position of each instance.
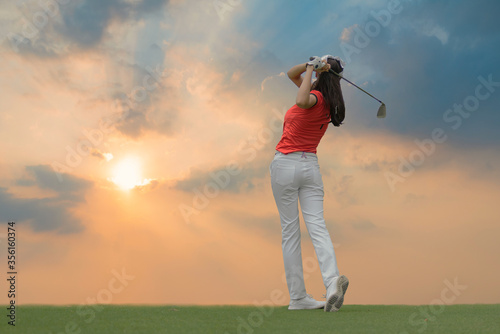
(352, 83)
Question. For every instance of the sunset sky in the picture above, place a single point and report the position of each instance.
(136, 138)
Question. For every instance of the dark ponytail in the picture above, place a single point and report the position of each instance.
(329, 85)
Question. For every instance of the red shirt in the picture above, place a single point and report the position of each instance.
(304, 128)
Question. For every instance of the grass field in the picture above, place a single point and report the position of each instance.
(249, 319)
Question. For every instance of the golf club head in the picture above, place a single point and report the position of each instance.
(381, 111)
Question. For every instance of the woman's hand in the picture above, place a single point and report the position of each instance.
(315, 62)
(295, 73)
(325, 67)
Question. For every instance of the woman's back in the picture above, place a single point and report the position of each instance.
(304, 128)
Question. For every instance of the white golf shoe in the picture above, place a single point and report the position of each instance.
(306, 303)
(335, 293)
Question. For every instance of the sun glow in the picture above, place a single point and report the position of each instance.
(127, 174)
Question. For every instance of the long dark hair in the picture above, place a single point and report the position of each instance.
(329, 85)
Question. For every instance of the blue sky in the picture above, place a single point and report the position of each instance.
(427, 59)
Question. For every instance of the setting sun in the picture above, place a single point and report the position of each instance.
(127, 174)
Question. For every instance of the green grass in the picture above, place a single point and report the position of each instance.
(111, 319)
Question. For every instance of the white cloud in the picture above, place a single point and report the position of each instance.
(282, 74)
(347, 33)
(434, 30)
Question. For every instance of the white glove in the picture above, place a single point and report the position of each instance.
(316, 63)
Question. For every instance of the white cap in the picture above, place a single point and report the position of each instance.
(340, 61)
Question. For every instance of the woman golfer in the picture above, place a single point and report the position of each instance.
(295, 176)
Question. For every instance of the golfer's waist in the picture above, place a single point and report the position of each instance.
(297, 154)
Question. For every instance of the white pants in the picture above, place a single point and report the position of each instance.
(296, 176)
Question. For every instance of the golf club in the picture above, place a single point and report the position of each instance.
(381, 110)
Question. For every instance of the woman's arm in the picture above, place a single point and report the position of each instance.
(304, 98)
(295, 73)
